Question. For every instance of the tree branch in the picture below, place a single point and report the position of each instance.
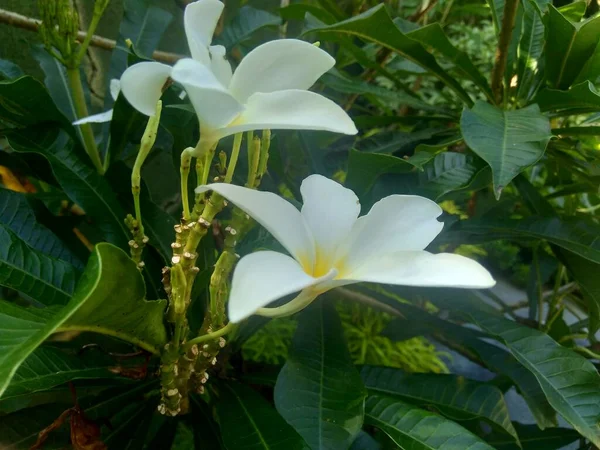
(31, 24)
(508, 24)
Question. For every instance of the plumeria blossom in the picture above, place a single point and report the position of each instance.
(267, 91)
(331, 246)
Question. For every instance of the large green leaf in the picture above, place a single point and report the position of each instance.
(45, 279)
(109, 299)
(493, 357)
(532, 438)
(433, 36)
(416, 429)
(453, 396)
(247, 21)
(571, 383)
(375, 25)
(81, 183)
(571, 44)
(57, 83)
(48, 367)
(25, 101)
(17, 215)
(249, 422)
(509, 141)
(365, 168)
(577, 235)
(582, 95)
(319, 391)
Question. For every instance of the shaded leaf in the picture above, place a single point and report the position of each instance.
(17, 215)
(577, 235)
(375, 25)
(509, 141)
(455, 397)
(571, 383)
(45, 279)
(572, 45)
(582, 95)
(241, 28)
(532, 438)
(417, 429)
(10, 70)
(249, 422)
(109, 299)
(433, 36)
(318, 391)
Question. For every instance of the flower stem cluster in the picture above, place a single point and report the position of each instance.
(185, 364)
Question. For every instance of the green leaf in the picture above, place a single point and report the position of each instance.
(10, 70)
(531, 45)
(144, 25)
(591, 69)
(47, 280)
(247, 21)
(365, 168)
(574, 234)
(509, 141)
(573, 11)
(355, 86)
(572, 45)
(17, 215)
(577, 131)
(375, 25)
(493, 357)
(571, 383)
(57, 83)
(25, 101)
(416, 429)
(249, 422)
(455, 397)
(532, 438)
(20, 430)
(109, 299)
(433, 36)
(319, 391)
(48, 367)
(497, 9)
(582, 95)
(81, 183)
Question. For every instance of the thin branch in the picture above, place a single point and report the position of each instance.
(508, 24)
(28, 23)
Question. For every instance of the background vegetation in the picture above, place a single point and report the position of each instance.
(490, 108)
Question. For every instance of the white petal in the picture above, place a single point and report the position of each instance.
(279, 65)
(291, 110)
(274, 213)
(394, 223)
(115, 88)
(200, 20)
(423, 269)
(330, 210)
(102, 117)
(214, 106)
(219, 64)
(262, 277)
(142, 85)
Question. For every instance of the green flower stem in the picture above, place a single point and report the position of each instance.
(146, 144)
(249, 147)
(210, 154)
(99, 8)
(235, 154)
(265, 145)
(303, 299)
(184, 171)
(87, 134)
(253, 161)
(210, 336)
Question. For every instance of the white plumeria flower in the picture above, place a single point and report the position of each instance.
(106, 116)
(267, 91)
(330, 246)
